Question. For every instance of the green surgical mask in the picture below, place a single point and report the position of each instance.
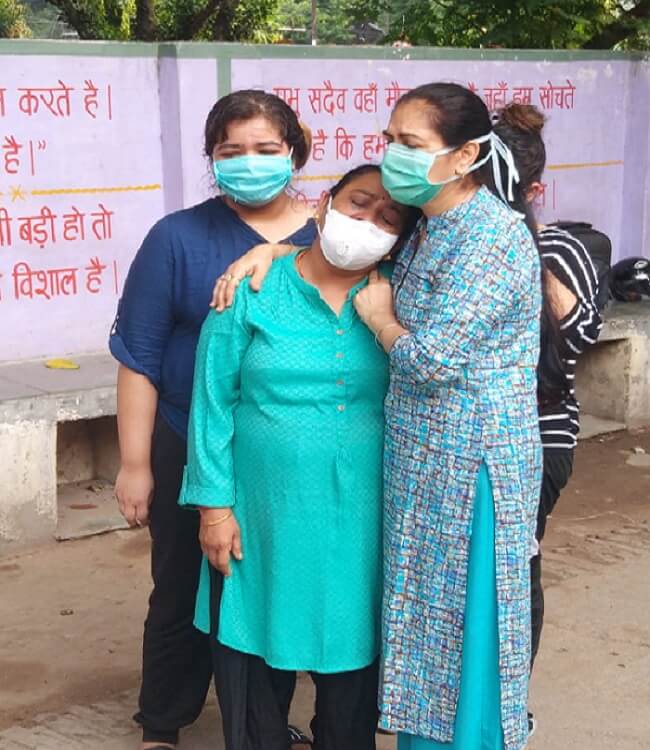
(405, 174)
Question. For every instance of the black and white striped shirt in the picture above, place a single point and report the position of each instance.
(568, 260)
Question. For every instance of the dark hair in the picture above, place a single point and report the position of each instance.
(411, 216)
(348, 177)
(249, 103)
(520, 127)
(456, 113)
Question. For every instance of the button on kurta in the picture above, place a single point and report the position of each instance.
(340, 355)
(341, 407)
(340, 332)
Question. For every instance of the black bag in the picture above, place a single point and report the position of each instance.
(599, 247)
(629, 280)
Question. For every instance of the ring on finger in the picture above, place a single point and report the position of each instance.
(227, 277)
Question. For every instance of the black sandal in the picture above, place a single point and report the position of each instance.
(296, 737)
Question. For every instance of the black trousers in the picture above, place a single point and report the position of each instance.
(255, 699)
(176, 662)
(558, 465)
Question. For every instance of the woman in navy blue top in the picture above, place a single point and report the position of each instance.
(255, 141)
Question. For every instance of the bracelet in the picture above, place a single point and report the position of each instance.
(219, 521)
(379, 333)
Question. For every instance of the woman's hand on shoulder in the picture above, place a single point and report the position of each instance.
(374, 303)
(255, 263)
(221, 540)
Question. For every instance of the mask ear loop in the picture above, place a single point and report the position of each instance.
(327, 210)
(499, 149)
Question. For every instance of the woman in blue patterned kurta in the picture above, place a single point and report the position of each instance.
(462, 452)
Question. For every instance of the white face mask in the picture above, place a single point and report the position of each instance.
(352, 244)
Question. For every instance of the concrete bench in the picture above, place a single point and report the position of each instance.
(613, 378)
(56, 426)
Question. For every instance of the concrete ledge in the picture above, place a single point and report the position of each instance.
(625, 319)
(613, 378)
(33, 401)
(89, 391)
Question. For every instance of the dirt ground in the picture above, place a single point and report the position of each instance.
(71, 613)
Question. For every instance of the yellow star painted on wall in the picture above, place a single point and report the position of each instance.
(17, 194)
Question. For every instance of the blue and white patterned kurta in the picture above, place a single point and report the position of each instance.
(463, 391)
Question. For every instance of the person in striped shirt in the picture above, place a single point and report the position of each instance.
(571, 323)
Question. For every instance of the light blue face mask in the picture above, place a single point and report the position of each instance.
(253, 179)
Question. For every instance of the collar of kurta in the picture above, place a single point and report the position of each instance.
(310, 289)
(457, 213)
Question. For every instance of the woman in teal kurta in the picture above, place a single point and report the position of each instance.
(285, 454)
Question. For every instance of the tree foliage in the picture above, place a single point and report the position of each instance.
(335, 19)
(545, 24)
(216, 20)
(98, 19)
(163, 20)
(13, 20)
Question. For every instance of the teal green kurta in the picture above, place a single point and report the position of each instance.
(478, 718)
(287, 426)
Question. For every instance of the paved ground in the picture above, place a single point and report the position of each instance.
(71, 613)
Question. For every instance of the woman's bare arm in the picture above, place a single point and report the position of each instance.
(137, 401)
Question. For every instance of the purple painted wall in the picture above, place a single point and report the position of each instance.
(99, 141)
(596, 130)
